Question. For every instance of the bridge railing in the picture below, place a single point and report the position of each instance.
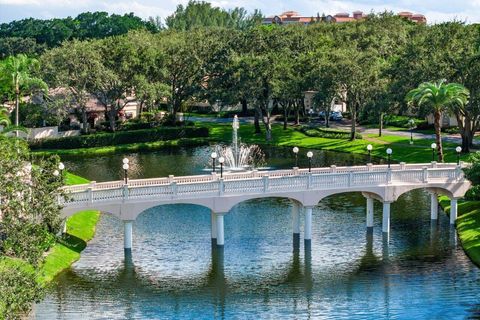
(262, 182)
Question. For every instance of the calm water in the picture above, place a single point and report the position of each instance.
(420, 272)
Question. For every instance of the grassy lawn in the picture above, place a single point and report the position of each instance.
(468, 226)
(71, 179)
(402, 150)
(80, 229)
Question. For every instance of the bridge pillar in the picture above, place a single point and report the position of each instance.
(433, 206)
(295, 218)
(127, 234)
(369, 212)
(64, 226)
(308, 224)
(386, 217)
(220, 231)
(213, 218)
(453, 210)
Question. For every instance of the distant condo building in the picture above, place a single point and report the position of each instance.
(293, 17)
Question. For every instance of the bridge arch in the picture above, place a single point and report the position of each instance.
(227, 208)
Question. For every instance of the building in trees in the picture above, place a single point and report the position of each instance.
(293, 17)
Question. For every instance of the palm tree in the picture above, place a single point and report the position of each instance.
(439, 96)
(16, 77)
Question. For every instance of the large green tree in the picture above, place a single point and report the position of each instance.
(75, 67)
(203, 14)
(438, 96)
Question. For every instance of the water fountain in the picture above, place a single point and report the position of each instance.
(239, 156)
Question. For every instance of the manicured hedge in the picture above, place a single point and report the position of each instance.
(328, 133)
(120, 137)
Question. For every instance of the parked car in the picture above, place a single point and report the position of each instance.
(336, 116)
(321, 115)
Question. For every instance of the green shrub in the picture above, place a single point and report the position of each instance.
(18, 288)
(120, 137)
(328, 133)
(473, 174)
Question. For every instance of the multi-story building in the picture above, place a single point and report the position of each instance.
(293, 17)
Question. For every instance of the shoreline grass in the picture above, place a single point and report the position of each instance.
(468, 226)
(80, 229)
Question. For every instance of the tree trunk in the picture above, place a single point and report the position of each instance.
(244, 107)
(268, 127)
(297, 114)
(354, 124)
(111, 118)
(380, 127)
(17, 110)
(438, 134)
(84, 119)
(285, 118)
(256, 120)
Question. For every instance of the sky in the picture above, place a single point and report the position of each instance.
(435, 10)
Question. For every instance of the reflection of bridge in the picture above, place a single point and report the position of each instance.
(127, 201)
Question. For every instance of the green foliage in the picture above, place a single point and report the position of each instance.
(4, 117)
(18, 288)
(29, 206)
(120, 137)
(328, 133)
(438, 97)
(12, 46)
(202, 14)
(87, 25)
(473, 174)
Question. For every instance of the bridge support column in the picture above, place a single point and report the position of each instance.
(386, 217)
(308, 224)
(127, 234)
(433, 206)
(220, 231)
(64, 226)
(213, 226)
(295, 218)
(453, 211)
(369, 212)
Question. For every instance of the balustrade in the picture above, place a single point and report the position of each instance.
(262, 182)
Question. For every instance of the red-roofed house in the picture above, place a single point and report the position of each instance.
(289, 17)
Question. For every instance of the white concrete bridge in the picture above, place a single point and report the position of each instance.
(305, 189)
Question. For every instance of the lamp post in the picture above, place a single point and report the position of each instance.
(458, 149)
(295, 151)
(221, 160)
(309, 155)
(125, 169)
(369, 148)
(61, 167)
(214, 156)
(389, 153)
(411, 124)
(433, 146)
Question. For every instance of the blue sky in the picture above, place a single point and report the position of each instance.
(434, 10)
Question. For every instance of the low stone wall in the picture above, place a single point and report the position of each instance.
(46, 133)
